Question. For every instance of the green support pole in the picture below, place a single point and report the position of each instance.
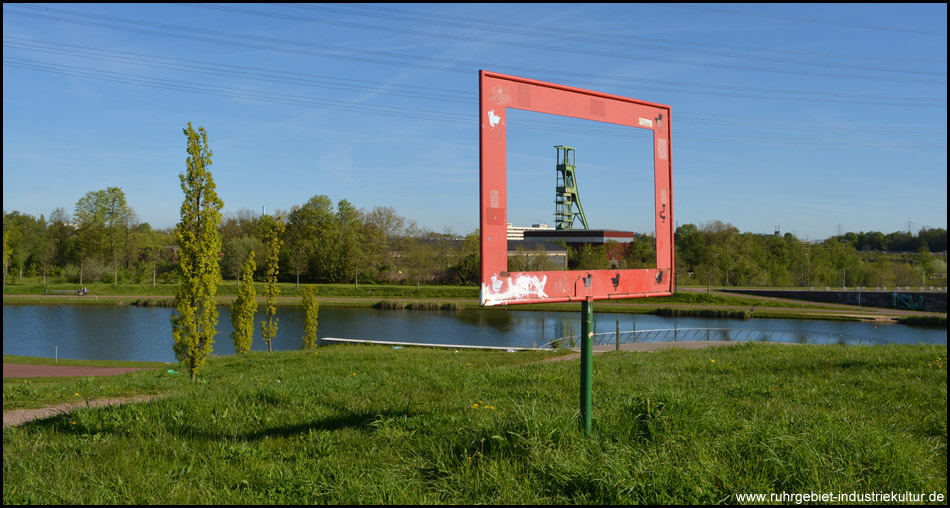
(587, 361)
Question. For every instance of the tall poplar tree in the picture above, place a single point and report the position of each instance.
(242, 312)
(272, 230)
(312, 308)
(7, 248)
(199, 243)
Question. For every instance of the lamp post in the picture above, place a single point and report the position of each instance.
(807, 271)
(717, 267)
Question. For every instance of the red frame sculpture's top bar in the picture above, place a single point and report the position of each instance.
(497, 93)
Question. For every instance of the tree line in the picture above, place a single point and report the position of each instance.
(716, 253)
(103, 241)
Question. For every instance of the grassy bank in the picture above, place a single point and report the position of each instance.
(34, 360)
(376, 425)
(230, 288)
(19, 393)
(289, 292)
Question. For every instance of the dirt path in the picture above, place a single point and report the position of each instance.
(13, 417)
(16, 417)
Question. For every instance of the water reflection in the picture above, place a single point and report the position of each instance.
(499, 320)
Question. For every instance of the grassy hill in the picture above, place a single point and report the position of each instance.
(378, 425)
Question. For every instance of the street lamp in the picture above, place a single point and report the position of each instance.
(717, 267)
(807, 271)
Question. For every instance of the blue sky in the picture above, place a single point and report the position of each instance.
(809, 117)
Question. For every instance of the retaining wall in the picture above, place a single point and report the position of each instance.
(928, 301)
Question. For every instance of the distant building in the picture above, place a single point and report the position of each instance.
(576, 237)
(517, 232)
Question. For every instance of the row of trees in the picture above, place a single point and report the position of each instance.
(198, 238)
(716, 253)
(935, 240)
(340, 243)
(103, 241)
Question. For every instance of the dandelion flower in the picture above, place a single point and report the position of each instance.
(75, 395)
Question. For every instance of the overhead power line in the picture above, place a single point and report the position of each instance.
(414, 58)
(239, 93)
(424, 93)
(412, 61)
(558, 34)
(573, 49)
(820, 21)
(239, 71)
(375, 10)
(393, 111)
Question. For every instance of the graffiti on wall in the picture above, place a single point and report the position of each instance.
(907, 302)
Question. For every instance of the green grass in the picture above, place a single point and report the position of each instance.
(376, 425)
(21, 393)
(230, 288)
(932, 321)
(35, 360)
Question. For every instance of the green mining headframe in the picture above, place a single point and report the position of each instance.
(566, 194)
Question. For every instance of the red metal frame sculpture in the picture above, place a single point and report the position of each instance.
(497, 93)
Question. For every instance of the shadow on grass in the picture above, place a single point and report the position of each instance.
(68, 422)
(358, 420)
(362, 421)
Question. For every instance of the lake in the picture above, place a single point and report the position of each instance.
(144, 333)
